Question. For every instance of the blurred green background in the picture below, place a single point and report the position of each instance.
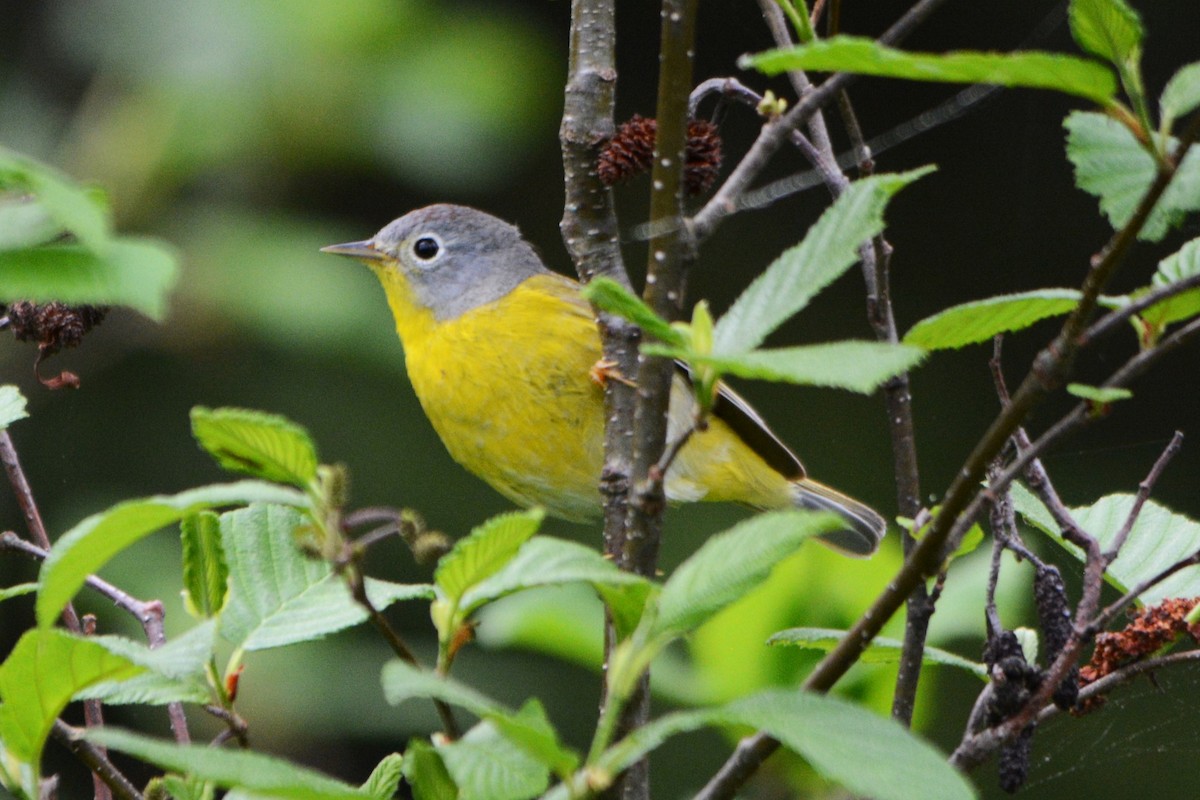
(250, 133)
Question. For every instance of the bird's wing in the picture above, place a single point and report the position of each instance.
(735, 412)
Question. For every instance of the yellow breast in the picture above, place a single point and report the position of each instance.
(506, 387)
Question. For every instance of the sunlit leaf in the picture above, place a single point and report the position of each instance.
(173, 672)
(426, 774)
(89, 545)
(266, 446)
(19, 590)
(230, 768)
(980, 320)
(385, 778)
(1109, 29)
(485, 551)
(1098, 394)
(1179, 266)
(38, 678)
(131, 272)
(855, 366)
(829, 249)
(1113, 166)
(485, 765)
(1032, 70)
(614, 298)
(12, 405)
(81, 211)
(277, 595)
(1181, 95)
(1159, 539)
(24, 222)
(205, 572)
(881, 650)
(732, 563)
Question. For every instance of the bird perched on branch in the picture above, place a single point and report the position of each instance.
(501, 354)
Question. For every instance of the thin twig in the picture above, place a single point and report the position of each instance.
(1143, 494)
(1115, 319)
(93, 717)
(94, 759)
(1106, 616)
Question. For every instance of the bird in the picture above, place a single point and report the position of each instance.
(502, 354)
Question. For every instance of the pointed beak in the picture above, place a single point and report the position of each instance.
(364, 250)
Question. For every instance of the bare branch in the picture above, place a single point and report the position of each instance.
(1143, 494)
(94, 759)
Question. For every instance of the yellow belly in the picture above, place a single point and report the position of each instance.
(507, 388)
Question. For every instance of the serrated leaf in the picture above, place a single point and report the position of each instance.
(384, 780)
(528, 728)
(173, 672)
(1179, 266)
(426, 774)
(1098, 394)
(1159, 539)
(266, 446)
(81, 211)
(279, 597)
(829, 249)
(836, 737)
(610, 296)
(205, 573)
(38, 679)
(1113, 166)
(12, 405)
(1033, 70)
(1109, 29)
(485, 551)
(881, 650)
(855, 366)
(487, 766)
(730, 564)
(980, 320)
(138, 273)
(546, 561)
(1181, 95)
(89, 545)
(230, 769)
(181, 788)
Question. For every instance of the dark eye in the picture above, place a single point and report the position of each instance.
(426, 248)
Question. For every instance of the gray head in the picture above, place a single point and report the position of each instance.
(453, 258)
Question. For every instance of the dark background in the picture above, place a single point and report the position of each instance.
(250, 134)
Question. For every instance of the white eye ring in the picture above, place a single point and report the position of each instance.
(427, 248)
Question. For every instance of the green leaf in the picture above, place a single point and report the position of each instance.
(528, 729)
(485, 551)
(1181, 94)
(24, 222)
(39, 677)
(730, 564)
(856, 366)
(836, 737)
(385, 778)
(1033, 70)
(266, 446)
(546, 561)
(83, 212)
(426, 774)
(485, 765)
(1109, 29)
(1098, 394)
(828, 250)
(610, 296)
(173, 672)
(20, 589)
(882, 650)
(278, 596)
(130, 272)
(230, 769)
(1113, 166)
(1159, 539)
(89, 545)
(205, 573)
(980, 320)
(12, 405)
(1179, 266)
(181, 788)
